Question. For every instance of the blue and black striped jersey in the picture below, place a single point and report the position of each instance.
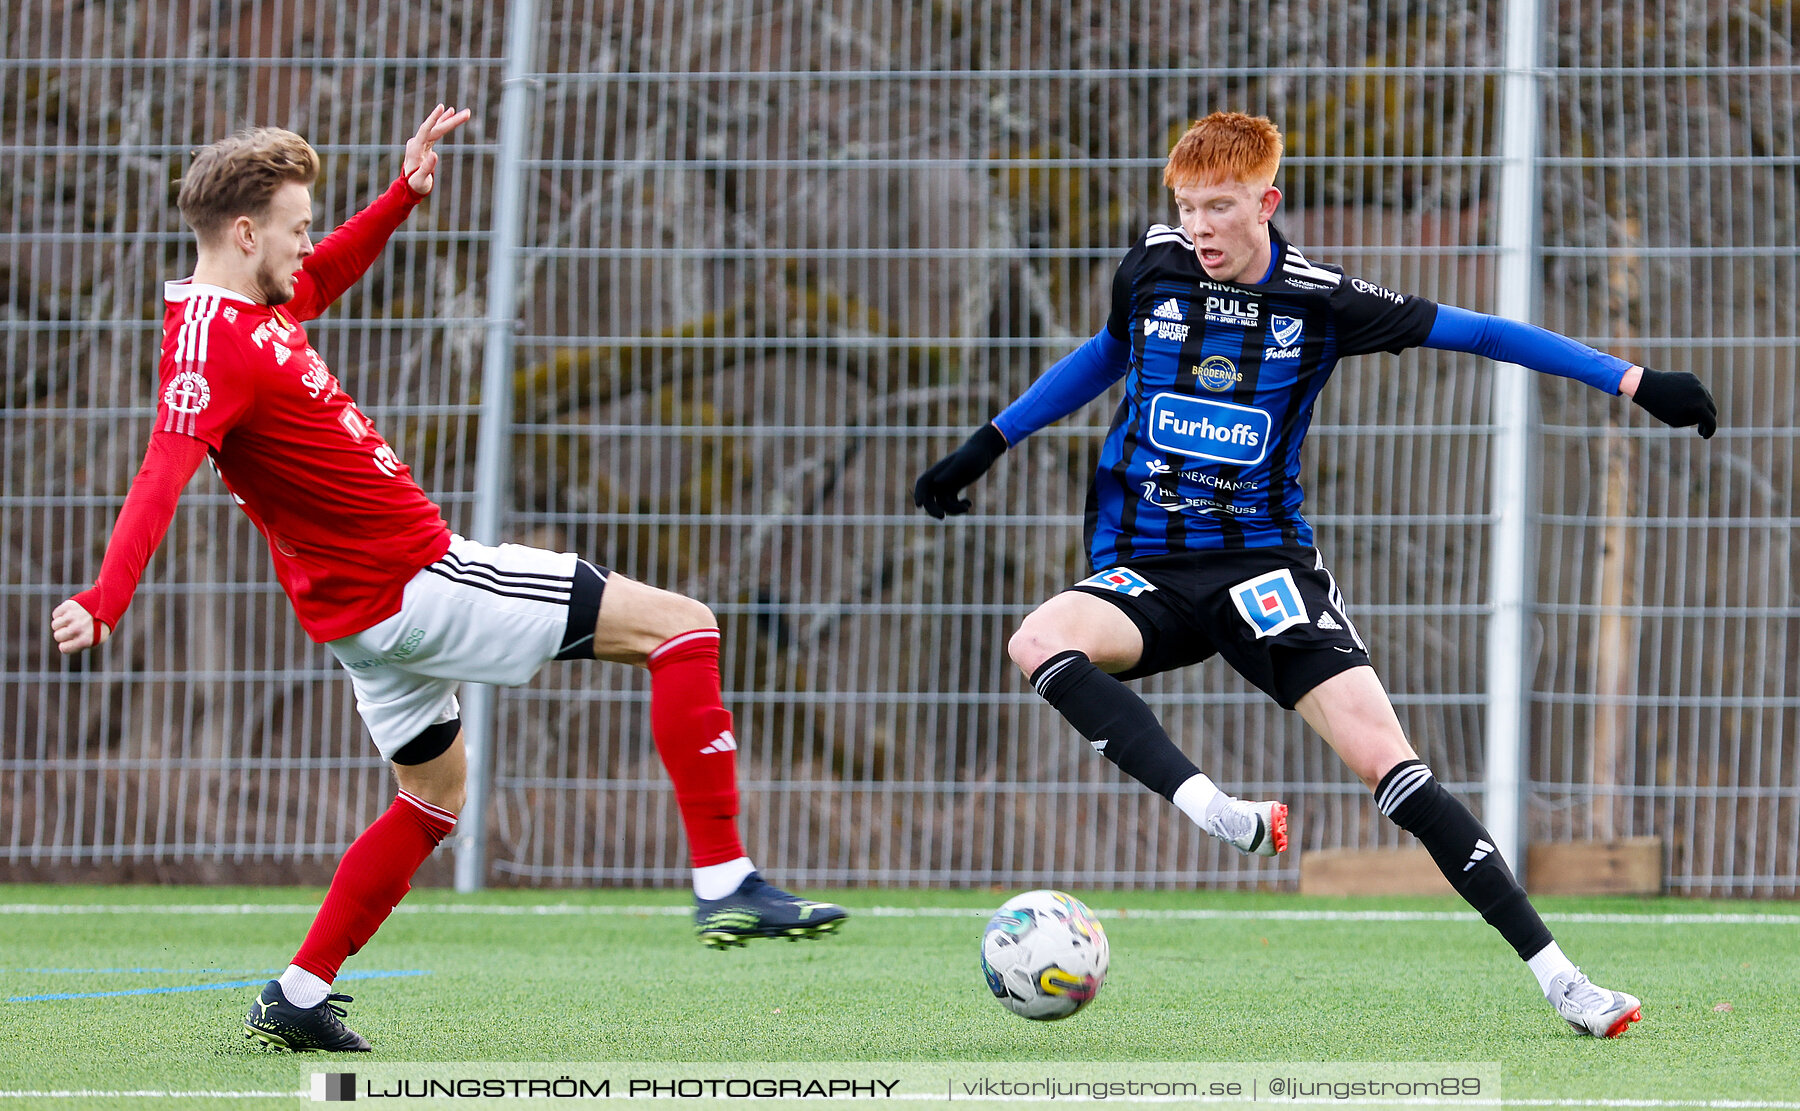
(1204, 451)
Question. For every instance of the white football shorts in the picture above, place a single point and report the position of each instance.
(480, 614)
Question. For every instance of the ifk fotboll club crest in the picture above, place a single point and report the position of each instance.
(1270, 603)
(1285, 330)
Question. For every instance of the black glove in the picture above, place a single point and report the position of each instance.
(1678, 399)
(937, 489)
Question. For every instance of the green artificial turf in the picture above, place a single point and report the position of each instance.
(902, 986)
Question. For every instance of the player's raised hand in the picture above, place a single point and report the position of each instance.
(74, 628)
(1678, 399)
(937, 490)
(421, 161)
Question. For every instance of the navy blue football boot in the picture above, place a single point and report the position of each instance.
(757, 909)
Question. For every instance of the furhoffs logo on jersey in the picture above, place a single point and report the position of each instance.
(1284, 331)
(1233, 310)
(1207, 429)
(1218, 374)
(1270, 603)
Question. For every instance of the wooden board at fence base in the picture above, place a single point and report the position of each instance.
(1626, 866)
(1407, 871)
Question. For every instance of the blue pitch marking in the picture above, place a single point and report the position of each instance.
(200, 987)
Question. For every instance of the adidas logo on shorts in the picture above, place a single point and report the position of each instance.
(1326, 621)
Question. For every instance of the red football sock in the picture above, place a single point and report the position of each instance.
(692, 728)
(376, 873)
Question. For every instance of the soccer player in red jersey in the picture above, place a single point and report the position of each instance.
(374, 572)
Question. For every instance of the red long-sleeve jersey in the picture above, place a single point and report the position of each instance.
(345, 522)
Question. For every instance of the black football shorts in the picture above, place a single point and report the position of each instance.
(1274, 614)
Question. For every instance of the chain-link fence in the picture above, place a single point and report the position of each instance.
(1666, 685)
(776, 258)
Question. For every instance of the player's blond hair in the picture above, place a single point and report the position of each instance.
(239, 175)
(1225, 146)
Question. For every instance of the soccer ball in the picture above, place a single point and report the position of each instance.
(1044, 955)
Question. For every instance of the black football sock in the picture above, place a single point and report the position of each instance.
(1464, 852)
(1114, 720)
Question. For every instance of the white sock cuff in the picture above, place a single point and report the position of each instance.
(302, 988)
(715, 881)
(1196, 797)
(1548, 964)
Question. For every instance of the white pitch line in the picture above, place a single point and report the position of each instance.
(667, 910)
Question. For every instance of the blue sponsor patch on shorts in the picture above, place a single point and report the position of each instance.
(1270, 603)
(1123, 580)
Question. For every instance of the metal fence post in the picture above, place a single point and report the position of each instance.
(492, 484)
(1511, 479)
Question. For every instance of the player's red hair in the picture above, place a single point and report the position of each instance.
(1225, 146)
(239, 175)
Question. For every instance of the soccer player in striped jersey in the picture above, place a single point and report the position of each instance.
(374, 572)
(1224, 334)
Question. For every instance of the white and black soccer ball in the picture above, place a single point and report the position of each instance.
(1044, 955)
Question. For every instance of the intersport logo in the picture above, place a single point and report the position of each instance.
(1166, 329)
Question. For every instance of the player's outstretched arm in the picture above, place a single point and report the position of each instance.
(1072, 382)
(347, 253)
(87, 619)
(1675, 397)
